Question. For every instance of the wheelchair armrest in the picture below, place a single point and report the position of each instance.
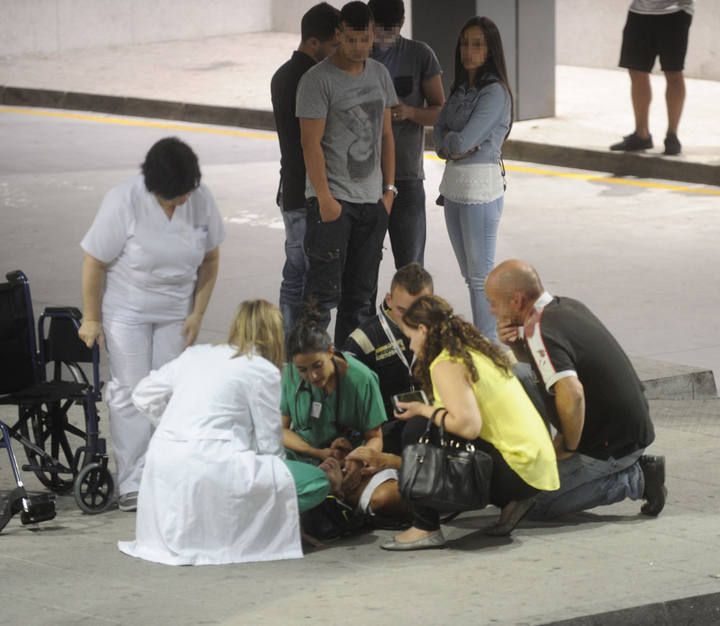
(63, 311)
(63, 344)
(16, 276)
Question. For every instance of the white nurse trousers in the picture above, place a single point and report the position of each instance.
(134, 349)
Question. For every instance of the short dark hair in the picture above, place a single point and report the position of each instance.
(387, 13)
(356, 15)
(171, 168)
(413, 278)
(320, 21)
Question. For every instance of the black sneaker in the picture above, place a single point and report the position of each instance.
(653, 468)
(632, 142)
(672, 145)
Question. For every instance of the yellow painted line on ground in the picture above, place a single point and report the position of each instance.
(612, 180)
(143, 123)
(246, 134)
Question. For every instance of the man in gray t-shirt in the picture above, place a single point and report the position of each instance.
(353, 109)
(343, 104)
(416, 75)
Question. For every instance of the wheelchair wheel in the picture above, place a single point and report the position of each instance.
(94, 488)
(48, 429)
(46, 425)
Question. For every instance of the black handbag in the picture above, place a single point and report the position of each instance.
(453, 476)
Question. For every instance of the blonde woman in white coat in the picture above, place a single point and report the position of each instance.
(216, 487)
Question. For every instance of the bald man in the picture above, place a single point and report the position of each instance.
(602, 419)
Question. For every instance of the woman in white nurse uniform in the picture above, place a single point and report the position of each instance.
(151, 260)
(215, 488)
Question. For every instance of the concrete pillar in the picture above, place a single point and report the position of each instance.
(527, 28)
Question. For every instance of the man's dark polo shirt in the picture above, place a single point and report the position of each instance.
(566, 339)
(283, 88)
(369, 343)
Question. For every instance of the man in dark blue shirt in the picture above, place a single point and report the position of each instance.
(318, 40)
(380, 344)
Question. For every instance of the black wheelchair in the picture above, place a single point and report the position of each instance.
(42, 375)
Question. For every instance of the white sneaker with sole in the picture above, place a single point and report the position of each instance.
(128, 502)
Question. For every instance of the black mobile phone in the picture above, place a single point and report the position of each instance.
(409, 396)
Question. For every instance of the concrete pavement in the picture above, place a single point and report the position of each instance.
(608, 566)
(225, 80)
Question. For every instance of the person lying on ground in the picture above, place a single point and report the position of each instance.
(330, 404)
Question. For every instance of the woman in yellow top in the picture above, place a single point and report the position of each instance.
(471, 378)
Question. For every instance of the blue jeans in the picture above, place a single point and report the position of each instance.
(473, 234)
(586, 482)
(407, 223)
(295, 268)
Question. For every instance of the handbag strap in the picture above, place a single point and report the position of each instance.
(425, 437)
(442, 428)
(470, 447)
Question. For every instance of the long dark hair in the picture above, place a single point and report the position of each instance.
(494, 62)
(309, 334)
(447, 331)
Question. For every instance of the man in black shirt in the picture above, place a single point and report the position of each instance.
(381, 345)
(602, 418)
(318, 40)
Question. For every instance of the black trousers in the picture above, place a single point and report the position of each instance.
(407, 226)
(343, 262)
(392, 436)
(505, 485)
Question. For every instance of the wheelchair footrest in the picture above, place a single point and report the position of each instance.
(13, 505)
(48, 469)
(39, 508)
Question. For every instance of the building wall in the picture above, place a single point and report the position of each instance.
(286, 14)
(47, 26)
(589, 34)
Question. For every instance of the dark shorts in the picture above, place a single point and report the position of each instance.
(648, 36)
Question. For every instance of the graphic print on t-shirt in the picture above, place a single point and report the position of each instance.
(362, 119)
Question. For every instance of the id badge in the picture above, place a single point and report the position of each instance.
(315, 409)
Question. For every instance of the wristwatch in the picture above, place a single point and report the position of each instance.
(392, 188)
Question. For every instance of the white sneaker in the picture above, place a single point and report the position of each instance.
(128, 501)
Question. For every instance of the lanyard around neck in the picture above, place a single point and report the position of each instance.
(306, 386)
(394, 342)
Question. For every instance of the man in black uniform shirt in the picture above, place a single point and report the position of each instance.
(381, 345)
(318, 40)
(602, 418)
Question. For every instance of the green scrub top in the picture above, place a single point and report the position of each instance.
(359, 409)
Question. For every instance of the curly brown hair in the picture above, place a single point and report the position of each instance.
(447, 331)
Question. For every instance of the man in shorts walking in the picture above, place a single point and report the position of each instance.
(655, 28)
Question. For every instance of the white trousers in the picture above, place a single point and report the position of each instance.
(134, 350)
